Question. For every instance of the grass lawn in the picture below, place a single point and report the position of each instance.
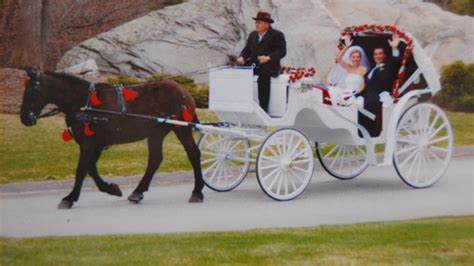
(440, 241)
(38, 153)
(463, 126)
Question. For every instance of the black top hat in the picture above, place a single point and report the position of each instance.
(264, 16)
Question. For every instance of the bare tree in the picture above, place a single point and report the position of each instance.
(40, 32)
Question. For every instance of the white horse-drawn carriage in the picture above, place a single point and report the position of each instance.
(416, 134)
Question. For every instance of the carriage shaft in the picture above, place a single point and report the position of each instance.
(208, 128)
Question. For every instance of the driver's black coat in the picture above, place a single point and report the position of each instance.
(273, 44)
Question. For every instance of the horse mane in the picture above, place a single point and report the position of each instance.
(83, 82)
(67, 77)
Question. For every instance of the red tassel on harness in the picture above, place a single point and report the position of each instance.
(187, 116)
(94, 99)
(66, 136)
(26, 80)
(129, 95)
(87, 130)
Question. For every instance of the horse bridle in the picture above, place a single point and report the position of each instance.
(36, 87)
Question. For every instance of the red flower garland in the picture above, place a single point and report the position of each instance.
(385, 29)
(298, 73)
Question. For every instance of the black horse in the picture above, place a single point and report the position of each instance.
(94, 131)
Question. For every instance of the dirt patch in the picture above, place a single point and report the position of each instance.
(11, 90)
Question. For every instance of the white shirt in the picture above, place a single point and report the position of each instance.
(373, 70)
(260, 36)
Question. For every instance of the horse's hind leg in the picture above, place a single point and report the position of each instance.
(185, 136)
(86, 153)
(155, 157)
(110, 188)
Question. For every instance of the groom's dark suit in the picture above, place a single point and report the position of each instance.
(272, 44)
(381, 79)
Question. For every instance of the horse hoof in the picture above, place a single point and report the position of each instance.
(65, 204)
(114, 189)
(135, 197)
(196, 198)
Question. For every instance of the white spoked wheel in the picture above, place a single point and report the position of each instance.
(342, 161)
(225, 161)
(424, 143)
(285, 164)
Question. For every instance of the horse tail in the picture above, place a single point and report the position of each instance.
(196, 121)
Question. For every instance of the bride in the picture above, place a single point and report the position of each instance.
(347, 78)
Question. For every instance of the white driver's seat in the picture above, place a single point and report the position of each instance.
(278, 103)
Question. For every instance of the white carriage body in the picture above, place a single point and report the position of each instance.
(233, 96)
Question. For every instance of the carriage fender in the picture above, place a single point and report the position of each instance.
(397, 112)
(311, 122)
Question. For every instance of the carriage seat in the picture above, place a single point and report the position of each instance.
(278, 103)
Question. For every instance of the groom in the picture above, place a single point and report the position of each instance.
(377, 80)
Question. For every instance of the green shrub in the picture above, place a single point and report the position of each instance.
(457, 80)
(124, 80)
(201, 96)
(461, 7)
(199, 93)
(181, 80)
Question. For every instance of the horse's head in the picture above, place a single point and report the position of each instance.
(34, 99)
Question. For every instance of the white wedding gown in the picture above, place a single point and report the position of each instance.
(353, 85)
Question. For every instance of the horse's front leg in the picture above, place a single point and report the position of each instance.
(155, 157)
(110, 188)
(85, 156)
(185, 136)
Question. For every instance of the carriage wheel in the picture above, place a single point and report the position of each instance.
(225, 161)
(424, 143)
(285, 164)
(342, 161)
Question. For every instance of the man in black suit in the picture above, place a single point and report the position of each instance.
(265, 48)
(378, 79)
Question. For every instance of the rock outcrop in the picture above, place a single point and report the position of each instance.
(188, 37)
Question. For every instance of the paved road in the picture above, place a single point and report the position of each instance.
(377, 195)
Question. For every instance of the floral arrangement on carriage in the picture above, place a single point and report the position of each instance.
(300, 77)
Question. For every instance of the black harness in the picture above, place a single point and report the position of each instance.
(83, 117)
(120, 98)
(36, 87)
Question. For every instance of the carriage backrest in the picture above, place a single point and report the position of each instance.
(231, 89)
